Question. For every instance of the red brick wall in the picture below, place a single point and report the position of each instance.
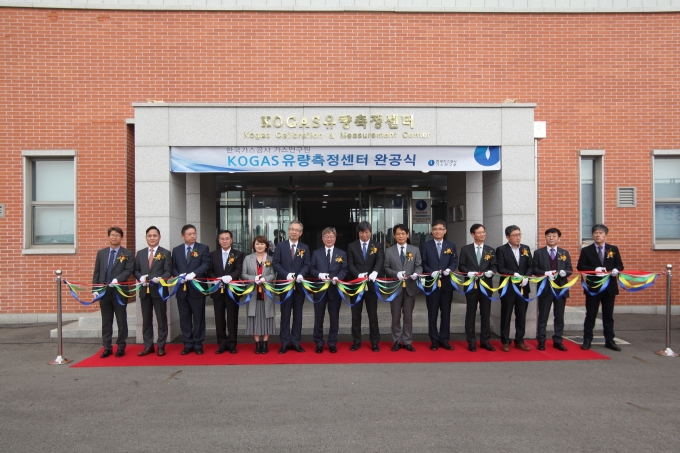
(601, 81)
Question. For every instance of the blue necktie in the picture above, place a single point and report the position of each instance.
(439, 249)
(109, 266)
(364, 249)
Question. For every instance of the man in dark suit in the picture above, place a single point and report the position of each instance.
(402, 261)
(478, 261)
(514, 258)
(191, 260)
(113, 264)
(152, 263)
(555, 263)
(439, 255)
(328, 263)
(601, 258)
(365, 258)
(291, 262)
(225, 264)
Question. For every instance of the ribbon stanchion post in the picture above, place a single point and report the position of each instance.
(60, 360)
(668, 352)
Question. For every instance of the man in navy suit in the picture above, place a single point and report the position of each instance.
(226, 264)
(439, 255)
(114, 264)
(601, 258)
(191, 260)
(328, 263)
(151, 263)
(291, 262)
(514, 258)
(365, 258)
(555, 263)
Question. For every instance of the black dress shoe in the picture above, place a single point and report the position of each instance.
(145, 351)
(409, 348)
(297, 348)
(355, 346)
(586, 345)
(541, 346)
(472, 347)
(199, 351)
(333, 349)
(396, 346)
(434, 346)
(220, 351)
(283, 349)
(232, 350)
(611, 345)
(120, 352)
(106, 353)
(186, 351)
(487, 346)
(560, 347)
(375, 347)
(446, 345)
(319, 349)
(161, 352)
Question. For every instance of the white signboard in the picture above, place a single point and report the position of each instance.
(322, 158)
(421, 211)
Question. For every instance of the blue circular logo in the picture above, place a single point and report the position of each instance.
(430, 163)
(421, 205)
(488, 156)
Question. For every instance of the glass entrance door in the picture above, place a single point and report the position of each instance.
(387, 210)
(270, 216)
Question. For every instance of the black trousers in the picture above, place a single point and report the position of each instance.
(511, 301)
(439, 301)
(473, 299)
(592, 307)
(160, 306)
(371, 300)
(544, 304)
(226, 330)
(294, 304)
(108, 305)
(192, 321)
(334, 320)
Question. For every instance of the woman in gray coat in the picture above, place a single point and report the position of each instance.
(261, 309)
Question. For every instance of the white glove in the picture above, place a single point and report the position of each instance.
(400, 275)
(414, 276)
(524, 282)
(600, 271)
(472, 274)
(516, 275)
(373, 275)
(323, 277)
(113, 282)
(190, 276)
(300, 278)
(143, 278)
(563, 273)
(258, 280)
(226, 279)
(155, 280)
(549, 273)
(489, 274)
(335, 280)
(290, 277)
(182, 275)
(446, 271)
(95, 293)
(362, 275)
(615, 272)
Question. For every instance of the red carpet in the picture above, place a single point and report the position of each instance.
(246, 355)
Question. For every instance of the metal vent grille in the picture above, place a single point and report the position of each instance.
(627, 197)
(2, 210)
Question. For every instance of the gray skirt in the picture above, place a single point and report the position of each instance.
(260, 324)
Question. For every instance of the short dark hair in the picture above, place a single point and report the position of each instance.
(363, 226)
(186, 227)
(262, 240)
(510, 229)
(225, 231)
(399, 226)
(600, 227)
(118, 230)
(553, 231)
(152, 228)
(475, 227)
(439, 222)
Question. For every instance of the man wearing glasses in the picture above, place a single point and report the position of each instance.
(291, 263)
(514, 258)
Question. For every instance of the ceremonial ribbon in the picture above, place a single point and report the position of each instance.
(394, 290)
(343, 288)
